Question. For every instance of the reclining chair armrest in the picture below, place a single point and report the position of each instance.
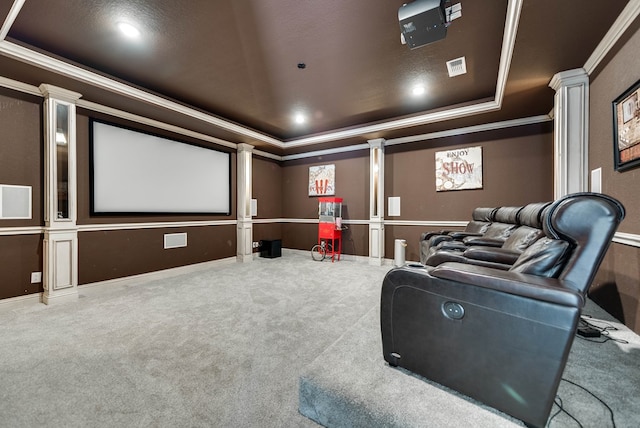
(437, 239)
(450, 245)
(461, 235)
(428, 235)
(486, 242)
(550, 290)
(491, 254)
(443, 256)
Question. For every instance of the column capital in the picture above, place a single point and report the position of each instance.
(569, 77)
(51, 91)
(244, 147)
(378, 142)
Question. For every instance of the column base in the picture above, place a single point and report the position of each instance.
(374, 261)
(244, 258)
(60, 296)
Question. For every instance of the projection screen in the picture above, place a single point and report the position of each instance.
(138, 173)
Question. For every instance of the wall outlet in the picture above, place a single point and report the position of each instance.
(36, 277)
(256, 244)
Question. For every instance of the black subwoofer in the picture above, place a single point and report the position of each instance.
(271, 248)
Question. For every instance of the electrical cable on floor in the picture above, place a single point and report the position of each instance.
(603, 330)
(561, 409)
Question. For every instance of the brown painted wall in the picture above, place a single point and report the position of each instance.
(21, 153)
(617, 285)
(21, 149)
(20, 255)
(113, 254)
(267, 189)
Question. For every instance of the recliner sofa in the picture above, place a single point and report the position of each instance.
(481, 218)
(503, 221)
(493, 252)
(499, 336)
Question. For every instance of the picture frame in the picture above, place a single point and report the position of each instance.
(626, 129)
(322, 180)
(459, 169)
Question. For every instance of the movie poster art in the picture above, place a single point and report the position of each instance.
(322, 180)
(626, 125)
(459, 169)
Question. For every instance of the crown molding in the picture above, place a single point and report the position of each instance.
(89, 105)
(20, 87)
(60, 67)
(469, 130)
(508, 44)
(621, 24)
(11, 17)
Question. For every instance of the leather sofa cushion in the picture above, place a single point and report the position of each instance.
(495, 231)
(522, 238)
(545, 257)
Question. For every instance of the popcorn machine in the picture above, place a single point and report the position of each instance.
(329, 229)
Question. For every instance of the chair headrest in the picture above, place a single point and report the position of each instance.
(587, 221)
(506, 215)
(531, 214)
(482, 214)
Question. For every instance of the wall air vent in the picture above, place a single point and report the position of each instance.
(175, 240)
(456, 67)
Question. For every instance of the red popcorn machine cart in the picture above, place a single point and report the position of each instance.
(329, 229)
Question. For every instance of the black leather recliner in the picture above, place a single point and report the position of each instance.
(502, 337)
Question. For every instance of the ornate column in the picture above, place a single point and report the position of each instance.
(571, 131)
(244, 251)
(60, 270)
(376, 201)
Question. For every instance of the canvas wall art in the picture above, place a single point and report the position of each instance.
(459, 169)
(322, 180)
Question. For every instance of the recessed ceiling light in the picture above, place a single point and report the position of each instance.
(418, 90)
(299, 118)
(128, 30)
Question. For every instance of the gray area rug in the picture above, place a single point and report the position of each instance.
(227, 347)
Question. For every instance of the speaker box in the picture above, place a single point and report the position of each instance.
(15, 202)
(422, 22)
(271, 248)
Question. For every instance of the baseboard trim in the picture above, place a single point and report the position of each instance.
(345, 257)
(19, 301)
(89, 288)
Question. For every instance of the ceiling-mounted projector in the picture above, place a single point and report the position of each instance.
(422, 22)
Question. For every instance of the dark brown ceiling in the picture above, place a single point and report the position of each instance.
(237, 60)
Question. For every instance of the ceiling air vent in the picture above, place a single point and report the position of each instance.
(456, 67)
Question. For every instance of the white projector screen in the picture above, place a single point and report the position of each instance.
(133, 172)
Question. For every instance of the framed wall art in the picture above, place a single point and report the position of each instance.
(626, 129)
(322, 180)
(459, 169)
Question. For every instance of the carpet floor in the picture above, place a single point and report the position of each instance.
(222, 347)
